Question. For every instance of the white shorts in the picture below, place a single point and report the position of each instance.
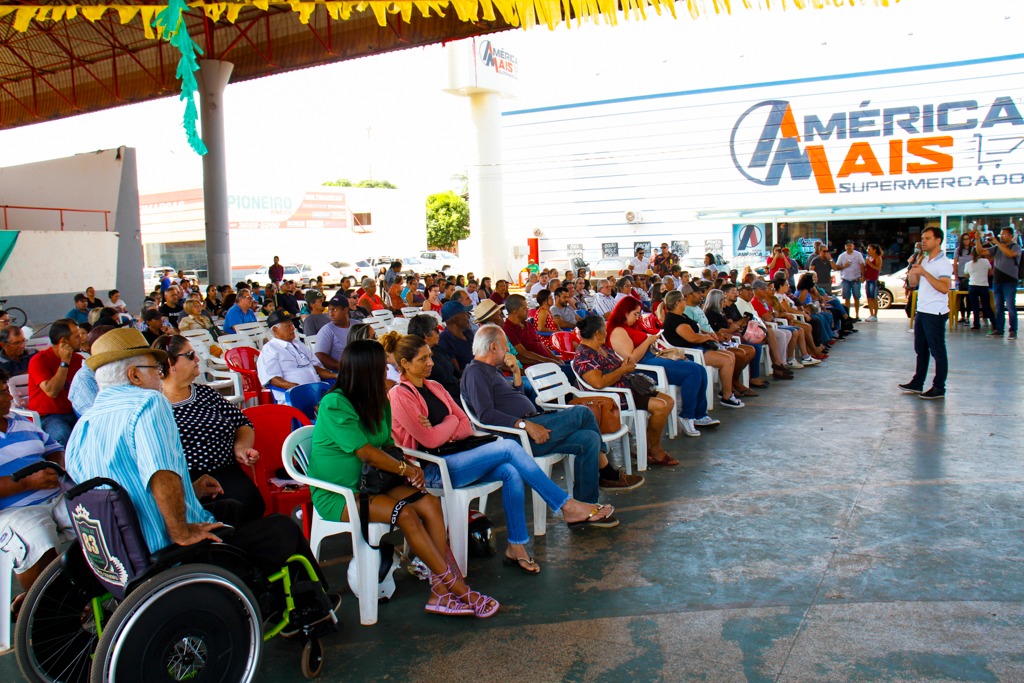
(26, 533)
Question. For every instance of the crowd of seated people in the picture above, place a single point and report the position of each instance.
(469, 346)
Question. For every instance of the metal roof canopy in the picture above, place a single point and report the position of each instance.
(857, 211)
(63, 68)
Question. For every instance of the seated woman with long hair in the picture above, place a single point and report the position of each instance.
(805, 297)
(684, 332)
(425, 415)
(353, 427)
(627, 339)
(546, 324)
(747, 355)
(601, 367)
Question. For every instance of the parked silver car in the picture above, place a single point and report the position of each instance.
(890, 289)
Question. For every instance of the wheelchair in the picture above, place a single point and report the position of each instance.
(105, 610)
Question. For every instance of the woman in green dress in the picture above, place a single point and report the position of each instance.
(353, 427)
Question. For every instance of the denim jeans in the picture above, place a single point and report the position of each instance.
(1006, 301)
(930, 340)
(692, 380)
(979, 304)
(755, 365)
(574, 431)
(503, 460)
(59, 426)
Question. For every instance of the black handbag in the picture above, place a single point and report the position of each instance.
(641, 385)
(710, 345)
(460, 445)
(374, 481)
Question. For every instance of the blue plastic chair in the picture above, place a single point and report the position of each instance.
(306, 397)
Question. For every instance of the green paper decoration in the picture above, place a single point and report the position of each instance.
(172, 26)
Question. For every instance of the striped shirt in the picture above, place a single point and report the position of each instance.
(20, 446)
(129, 435)
(83, 390)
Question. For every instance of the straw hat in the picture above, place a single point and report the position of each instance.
(119, 344)
(484, 310)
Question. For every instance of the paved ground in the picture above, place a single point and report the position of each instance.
(832, 530)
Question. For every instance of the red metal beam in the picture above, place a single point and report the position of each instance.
(32, 69)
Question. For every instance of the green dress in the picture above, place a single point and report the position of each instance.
(337, 436)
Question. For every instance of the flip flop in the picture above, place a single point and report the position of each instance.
(522, 563)
(606, 522)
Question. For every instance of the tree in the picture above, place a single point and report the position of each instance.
(345, 182)
(447, 219)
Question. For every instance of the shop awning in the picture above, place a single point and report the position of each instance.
(866, 211)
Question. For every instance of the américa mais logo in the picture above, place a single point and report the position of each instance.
(768, 142)
(502, 61)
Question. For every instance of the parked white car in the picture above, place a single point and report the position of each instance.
(356, 270)
(299, 272)
(440, 261)
(890, 289)
(151, 276)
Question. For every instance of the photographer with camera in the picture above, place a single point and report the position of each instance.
(1005, 255)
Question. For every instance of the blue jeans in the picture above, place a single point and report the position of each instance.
(574, 431)
(503, 460)
(755, 365)
(930, 340)
(978, 304)
(1006, 301)
(59, 426)
(692, 380)
(825, 324)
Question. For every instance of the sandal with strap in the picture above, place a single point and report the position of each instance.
(482, 605)
(447, 603)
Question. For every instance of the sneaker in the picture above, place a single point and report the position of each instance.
(688, 427)
(810, 361)
(706, 421)
(1012, 336)
(909, 388)
(932, 394)
(873, 318)
(731, 402)
(964, 322)
(625, 482)
(794, 364)
(994, 333)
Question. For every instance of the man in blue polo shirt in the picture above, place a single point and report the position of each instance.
(240, 313)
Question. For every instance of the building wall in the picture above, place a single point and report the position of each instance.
(95, 242)
(692, 164)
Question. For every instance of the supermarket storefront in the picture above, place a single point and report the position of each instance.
(875, 157)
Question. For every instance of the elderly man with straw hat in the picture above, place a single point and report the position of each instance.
(129, 435)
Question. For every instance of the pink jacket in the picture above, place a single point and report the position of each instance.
(406, 408)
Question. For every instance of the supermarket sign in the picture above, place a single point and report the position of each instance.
(896, 147)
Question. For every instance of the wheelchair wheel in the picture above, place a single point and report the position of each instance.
(56, 634)
(312, 658)
(192, 622)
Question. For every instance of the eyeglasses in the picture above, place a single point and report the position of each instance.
(191, 355)
(155, 367)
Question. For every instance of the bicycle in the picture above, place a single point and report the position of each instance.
(17, 316)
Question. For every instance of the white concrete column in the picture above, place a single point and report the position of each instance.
(486, 251)
(213, 77)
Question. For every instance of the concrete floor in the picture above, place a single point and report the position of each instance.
(832, 530)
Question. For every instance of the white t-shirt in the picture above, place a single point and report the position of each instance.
(536, 288)
(929, 299)
(977, 272)
(855, 271)
(640, 265)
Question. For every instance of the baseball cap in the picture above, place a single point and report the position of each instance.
(759, 284)
(279, 317)
(339, 300)
(452, 309)
(687, 289)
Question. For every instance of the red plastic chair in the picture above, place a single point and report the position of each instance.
(649, 323)
(564, 344)
(243, 361)
(273, 424)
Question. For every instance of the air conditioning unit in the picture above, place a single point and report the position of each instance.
(537, 232)
(634, 217)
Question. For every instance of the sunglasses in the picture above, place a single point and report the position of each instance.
(190, 355)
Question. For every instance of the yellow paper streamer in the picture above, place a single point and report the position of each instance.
(524, 13)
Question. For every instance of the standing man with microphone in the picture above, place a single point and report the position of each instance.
(932, 274)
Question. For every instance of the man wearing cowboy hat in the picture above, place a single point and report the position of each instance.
(129, 435)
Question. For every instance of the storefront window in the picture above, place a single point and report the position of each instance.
(800, 237)
(980, 225)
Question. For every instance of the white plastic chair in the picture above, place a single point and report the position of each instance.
(257, 331)
(384, 315)
(455, 502)
(400, 325)
(637, 417)
(411, 311)
(231, 341)
(200, 335)
(544, 462)
(379, 327)
(37, 344)
(6, 577)
(30, 415)
(554, 393)
(226, 382)
(435, 314)
(295, 456)
(19, 390)
(697, 355)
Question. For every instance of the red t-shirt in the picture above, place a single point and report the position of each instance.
(41, 368)
(527, 337)
(759, 306)
(498, 299)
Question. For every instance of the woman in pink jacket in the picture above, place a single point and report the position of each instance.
(424, 415)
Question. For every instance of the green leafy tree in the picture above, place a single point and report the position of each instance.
(340, 182)
(345, 182)
(447, 219)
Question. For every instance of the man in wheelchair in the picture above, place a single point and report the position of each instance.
(130, 436)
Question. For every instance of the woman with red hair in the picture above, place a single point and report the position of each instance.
(628, 340)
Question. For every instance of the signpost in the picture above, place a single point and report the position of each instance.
(609, 249)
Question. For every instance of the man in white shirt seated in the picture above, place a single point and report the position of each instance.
(640, 263)
(542, 283)
(604, 302)
(284, 362)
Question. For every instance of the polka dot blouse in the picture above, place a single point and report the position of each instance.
(207, 425)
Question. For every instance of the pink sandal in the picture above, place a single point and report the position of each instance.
(479, 602)
(447, 603)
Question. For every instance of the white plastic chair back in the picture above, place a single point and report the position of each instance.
(201, 335)
(19, 390)
(629, 414)
(37, 343)
(411, 311)
(233, 341)
(400, 325)
(385, 315)
(295, 454)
